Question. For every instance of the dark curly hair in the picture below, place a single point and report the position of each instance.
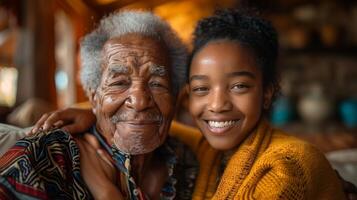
(250, 31)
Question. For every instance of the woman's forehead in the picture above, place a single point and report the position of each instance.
(224, 56)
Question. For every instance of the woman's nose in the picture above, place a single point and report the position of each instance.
(219, 101)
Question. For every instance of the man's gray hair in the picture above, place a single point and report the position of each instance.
(126, 22)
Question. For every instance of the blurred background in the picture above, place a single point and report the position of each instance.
(318, 59)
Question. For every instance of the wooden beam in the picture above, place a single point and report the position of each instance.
(35, 58)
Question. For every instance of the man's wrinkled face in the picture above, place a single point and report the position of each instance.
(133, 103)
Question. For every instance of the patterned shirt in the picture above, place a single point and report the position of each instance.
(46, 165)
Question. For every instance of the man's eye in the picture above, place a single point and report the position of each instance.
(121, 83)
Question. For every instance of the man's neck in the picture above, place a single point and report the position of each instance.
(139, 166)
(139, 163)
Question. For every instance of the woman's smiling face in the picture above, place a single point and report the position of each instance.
(226, 93)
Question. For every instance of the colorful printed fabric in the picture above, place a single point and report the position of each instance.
(43, 166)
(47, 166)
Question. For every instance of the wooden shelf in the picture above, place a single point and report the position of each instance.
(329, 137)
(344, 51)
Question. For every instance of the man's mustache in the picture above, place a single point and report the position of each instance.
(151, 116)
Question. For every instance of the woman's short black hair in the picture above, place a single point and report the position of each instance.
(250, 31)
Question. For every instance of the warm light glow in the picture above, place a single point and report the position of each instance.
(103, 2)
(183, 15)
(8, 83)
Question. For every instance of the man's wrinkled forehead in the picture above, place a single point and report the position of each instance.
(137, 47)
(154, 69)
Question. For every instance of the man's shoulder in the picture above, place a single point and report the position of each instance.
(40, 141)
(9, 135)
(47, 137)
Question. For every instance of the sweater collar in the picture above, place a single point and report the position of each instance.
(242, 160)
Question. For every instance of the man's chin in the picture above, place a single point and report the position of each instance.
(134, 150)
(136, 145)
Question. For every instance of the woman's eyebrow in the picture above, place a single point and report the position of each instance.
(242, 73)
(198, 77)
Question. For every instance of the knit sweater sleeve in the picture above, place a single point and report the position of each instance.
(293, 170)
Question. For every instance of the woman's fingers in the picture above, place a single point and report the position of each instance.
(72, 120)
(98, 173)
(101, 156)
(104, 156)
(107, 166)
(92, 140)
(59, 123)
(54, 118)
(39, 123)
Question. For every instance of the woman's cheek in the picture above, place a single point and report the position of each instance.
(194, 106)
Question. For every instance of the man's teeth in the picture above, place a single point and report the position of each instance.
(216, 124)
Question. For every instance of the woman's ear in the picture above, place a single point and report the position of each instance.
(187, 89)
(268, 95)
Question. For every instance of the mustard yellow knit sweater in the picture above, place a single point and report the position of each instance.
(267, 165)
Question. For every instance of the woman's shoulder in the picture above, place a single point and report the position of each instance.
(294, 161)
(292, 154)
(284, 144)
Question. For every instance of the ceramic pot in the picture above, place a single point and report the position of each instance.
(348, 112)
(282, 111)
(315, 107)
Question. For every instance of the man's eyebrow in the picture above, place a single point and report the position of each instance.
(198, 77)
(157, 70)
(242, 73)
(118, 69)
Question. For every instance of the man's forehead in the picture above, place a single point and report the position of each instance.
(135, 50)
(134, 41)
(126, 49)
(134, 44)
(153, 69)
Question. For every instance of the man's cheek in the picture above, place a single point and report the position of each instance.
(112, 103)
(165, 104)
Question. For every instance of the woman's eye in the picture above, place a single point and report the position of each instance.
(240, 87)
(199, 90)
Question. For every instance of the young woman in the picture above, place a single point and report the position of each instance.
(232, 82)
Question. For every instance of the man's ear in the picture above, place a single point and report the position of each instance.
(268, 96)
(92, 95)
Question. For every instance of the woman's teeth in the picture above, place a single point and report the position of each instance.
(221, 124)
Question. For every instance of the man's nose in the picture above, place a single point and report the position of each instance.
(219, 101)
(139, 99)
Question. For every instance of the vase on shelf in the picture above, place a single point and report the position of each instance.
(315, 107)
(348, 112)
(282, 111)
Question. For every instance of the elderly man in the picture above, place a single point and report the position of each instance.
(133, 65)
